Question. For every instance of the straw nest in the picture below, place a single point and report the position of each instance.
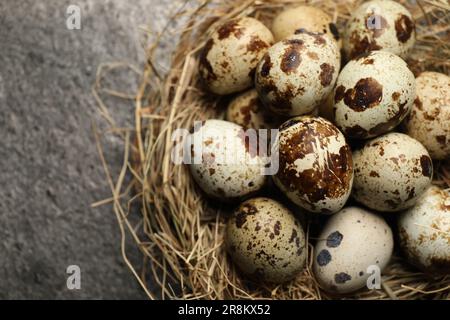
(177, 230)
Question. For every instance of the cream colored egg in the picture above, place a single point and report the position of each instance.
(379, 25)
(298, 73)
(247, 110)
(425, 232)
(265, 241)
(354, 244)
(391, 172)
(315, 164)
(224, 163)
(304, 17)
(229, 57)
(373, 95)
(429, 120)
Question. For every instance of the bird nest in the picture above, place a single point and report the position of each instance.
(178, 231)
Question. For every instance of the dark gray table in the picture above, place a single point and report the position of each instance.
(50, 169)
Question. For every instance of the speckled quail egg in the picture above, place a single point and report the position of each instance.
(391, 172)
(297, 73)
(353, 244)
(425, 232)
(265, 241)
(229, 57)
(373, 95)
(379, 25)
(315, 164)
(304, 17)
(247, 110)
(224, 160)
(326, 108)
(429, 120)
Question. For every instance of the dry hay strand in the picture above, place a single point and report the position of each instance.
(178, 231)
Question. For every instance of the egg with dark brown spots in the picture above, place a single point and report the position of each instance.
(225, 161)
(265, 241)
(229, 57)
(425, 232)
(373, 94)
(326, 107)
(379, 25)
(353, 242)
(391, 172)
(247, 110)
(307, 18)
(298, 73)
(429, 119)
(315, 164)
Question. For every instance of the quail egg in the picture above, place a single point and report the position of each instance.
(429, 120)
(326, 108)
(247, 110)
(391, 172)
(224, 160)
(353, 244)
(229, 57)
(297, 73)
(265, 241)
(304, 17)
(315, 164)
(379, 25)
(425, 232)
(373, 94)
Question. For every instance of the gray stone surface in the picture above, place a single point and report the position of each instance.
(50, 169)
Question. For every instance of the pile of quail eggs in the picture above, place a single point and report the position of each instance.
(356, 144)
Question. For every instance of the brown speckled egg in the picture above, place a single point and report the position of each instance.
(265, 241)
(326, 108)
(315, 164)
(351, 244)
(225, 164)
(380, 25)
(425, 232)
(429, 119)
(391, 172)
(247, 110)
(373, 95)
(297, 73)
(228, 60)
(304, 17)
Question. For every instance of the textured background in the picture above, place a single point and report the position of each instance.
(50, 169)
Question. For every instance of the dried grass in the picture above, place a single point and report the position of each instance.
(180, 233)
